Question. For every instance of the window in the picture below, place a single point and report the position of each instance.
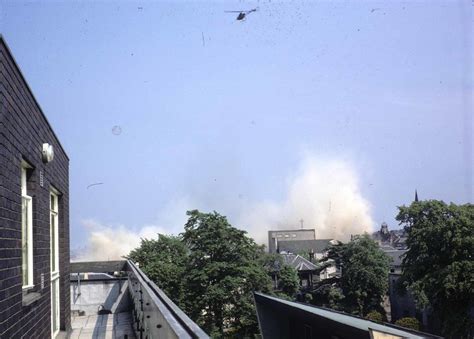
(26, 230)
(54, 222)
(54, 213)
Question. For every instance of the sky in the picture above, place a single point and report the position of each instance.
(176, 105)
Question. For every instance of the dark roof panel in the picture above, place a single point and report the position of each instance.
(300, 246)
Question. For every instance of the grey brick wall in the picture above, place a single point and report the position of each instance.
(23, 130)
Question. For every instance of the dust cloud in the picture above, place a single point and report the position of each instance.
(106, 242)
(325, 194)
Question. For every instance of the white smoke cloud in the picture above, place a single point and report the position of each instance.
(106, 242)
(324, 193)
(113, 242)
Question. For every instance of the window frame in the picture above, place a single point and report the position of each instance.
(54, 215)
(26, 227)
(55, 285)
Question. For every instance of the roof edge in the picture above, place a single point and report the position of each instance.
(303, 307)
(296, 229)
(3, 41)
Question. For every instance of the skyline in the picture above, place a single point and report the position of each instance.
(223, 115)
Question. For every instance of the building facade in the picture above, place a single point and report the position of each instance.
(274, 237)
(317, 248)
(34, 214)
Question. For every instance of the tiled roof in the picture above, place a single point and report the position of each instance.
(298, 262)
(304, 246)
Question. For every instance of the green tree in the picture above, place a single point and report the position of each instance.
(364, 278)
(408, 322)
(223, 269)
(328, 294)
(375, 316)
(288, 282)
(285, 276)
(163, 260)
(438, 267)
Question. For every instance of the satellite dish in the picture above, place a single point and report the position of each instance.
(47, 153)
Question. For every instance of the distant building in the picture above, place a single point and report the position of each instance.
(393, 238)
(274, 237)
(34, 214)
(402, 302)
(397, 259)
(308, 272)
(316, 247)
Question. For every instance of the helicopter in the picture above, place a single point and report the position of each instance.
(242, 14)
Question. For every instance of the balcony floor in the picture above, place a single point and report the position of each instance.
(118, 325)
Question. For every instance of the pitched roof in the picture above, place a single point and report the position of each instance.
(298, 262)
(300, 246)
(396, 255)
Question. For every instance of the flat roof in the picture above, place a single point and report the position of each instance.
(295, 230)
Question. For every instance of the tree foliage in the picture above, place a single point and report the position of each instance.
(163, 260)
(438, 267)
(364, 277)
(210, 271)
(288, 282)
(408, 322)
(375, 316)
(286, 277)
(222, 272)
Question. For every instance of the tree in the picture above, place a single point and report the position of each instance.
(408, 322)
(285, 276)
(223, 269)
(328, 294)
(375, 316)
(364, 278)
(438, 267)
(288, 282)
(164, 261)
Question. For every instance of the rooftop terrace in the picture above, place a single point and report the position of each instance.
(115, 299)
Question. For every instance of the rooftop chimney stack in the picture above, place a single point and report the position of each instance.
(311, 255)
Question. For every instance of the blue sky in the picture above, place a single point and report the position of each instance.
(219, 113)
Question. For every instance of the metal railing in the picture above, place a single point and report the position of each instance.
(154, 314)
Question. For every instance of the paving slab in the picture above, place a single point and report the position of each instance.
(106, 326)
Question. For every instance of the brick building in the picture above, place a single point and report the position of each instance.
(34, 214)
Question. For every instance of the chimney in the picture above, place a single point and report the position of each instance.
(311, 255)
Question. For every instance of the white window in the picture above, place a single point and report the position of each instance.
(26, 230)
(54, 214)
(54, 222)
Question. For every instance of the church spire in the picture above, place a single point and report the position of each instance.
(416, 196)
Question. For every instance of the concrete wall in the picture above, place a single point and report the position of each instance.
(111, 294)
(23, 130)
